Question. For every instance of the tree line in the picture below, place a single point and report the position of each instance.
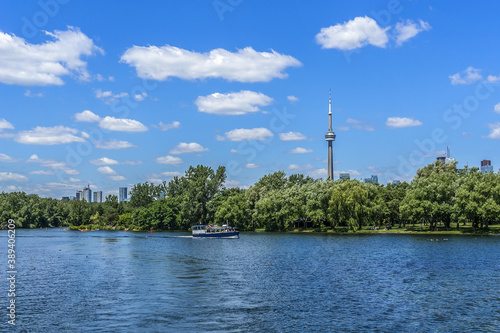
(440, 195)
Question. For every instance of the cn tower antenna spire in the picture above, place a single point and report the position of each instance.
(330, 137)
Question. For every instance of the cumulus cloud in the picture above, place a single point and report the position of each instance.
(469, 76)
(117, 178)
(245, 65)
(353, 34)
(493, 78)
(28, 93)
(87, 116)
(300, 150)
(140, 97)
(12, 177)
(106, 170)
(292, 99)
(169, 160)
(252, 166)
(497, 108)
(292, 136)
(318, 173)
(409, 29)
(238, 103)
(112, 123)
(26, 64)
(56, 135)
(185, 148)
(7, 159)
(4, 124)
(114, 144)
(122, 125)
(104, 161)
(171, 174)
(53, 165)
(401, 122)
(244, 134)
(495, 131)
(165, 127)
(108, 96)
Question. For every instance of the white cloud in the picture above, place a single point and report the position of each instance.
(26, 64)
(172, 174)
(300, 150)
(7, 159)
(409, 29)
(495, 131)
(353, 34)
(318, 173)
(361, 125)
(74, 180)
(235, 151)
(401, 122)
(238, 103)
(114, 144)
(42, 172)
(122, 125)
(56, 135)
(497, 108)
(54, 165)
(87, 116)
(117, 178)
(111, 123)
(252, 166)
(28, 93)
(169, 160)
(4, 124)
(106, 170)
(108, 96)
(242, 134)
(297, 167)
(232, 183)
(166, 127)
(493, 78)
(12, 177)
(292, 136)
(245, 65)
(104, 161)
(292, 99)
(140, 97)
(185, 148)
(469, 76)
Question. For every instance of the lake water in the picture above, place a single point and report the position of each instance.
(168, 282)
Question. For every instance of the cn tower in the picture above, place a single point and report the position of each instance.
(330, 137)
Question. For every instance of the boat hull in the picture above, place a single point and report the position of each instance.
(232, 234)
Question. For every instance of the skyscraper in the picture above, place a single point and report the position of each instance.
(87, 194)
(486, 166)
(330, 137)
(79, 195)
(97, 196)
(122, 194)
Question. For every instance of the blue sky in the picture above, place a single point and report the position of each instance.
(113, 95)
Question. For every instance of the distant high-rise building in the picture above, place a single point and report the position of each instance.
(486, 166)
(87, 194)
(65, 199)
(396, 181)
(72, 198)
(122, 194)
(446, 159)
(79, 195)
(98, 196)
(344, 175)
(372, 179)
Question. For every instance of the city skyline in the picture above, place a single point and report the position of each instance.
(124, 95)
